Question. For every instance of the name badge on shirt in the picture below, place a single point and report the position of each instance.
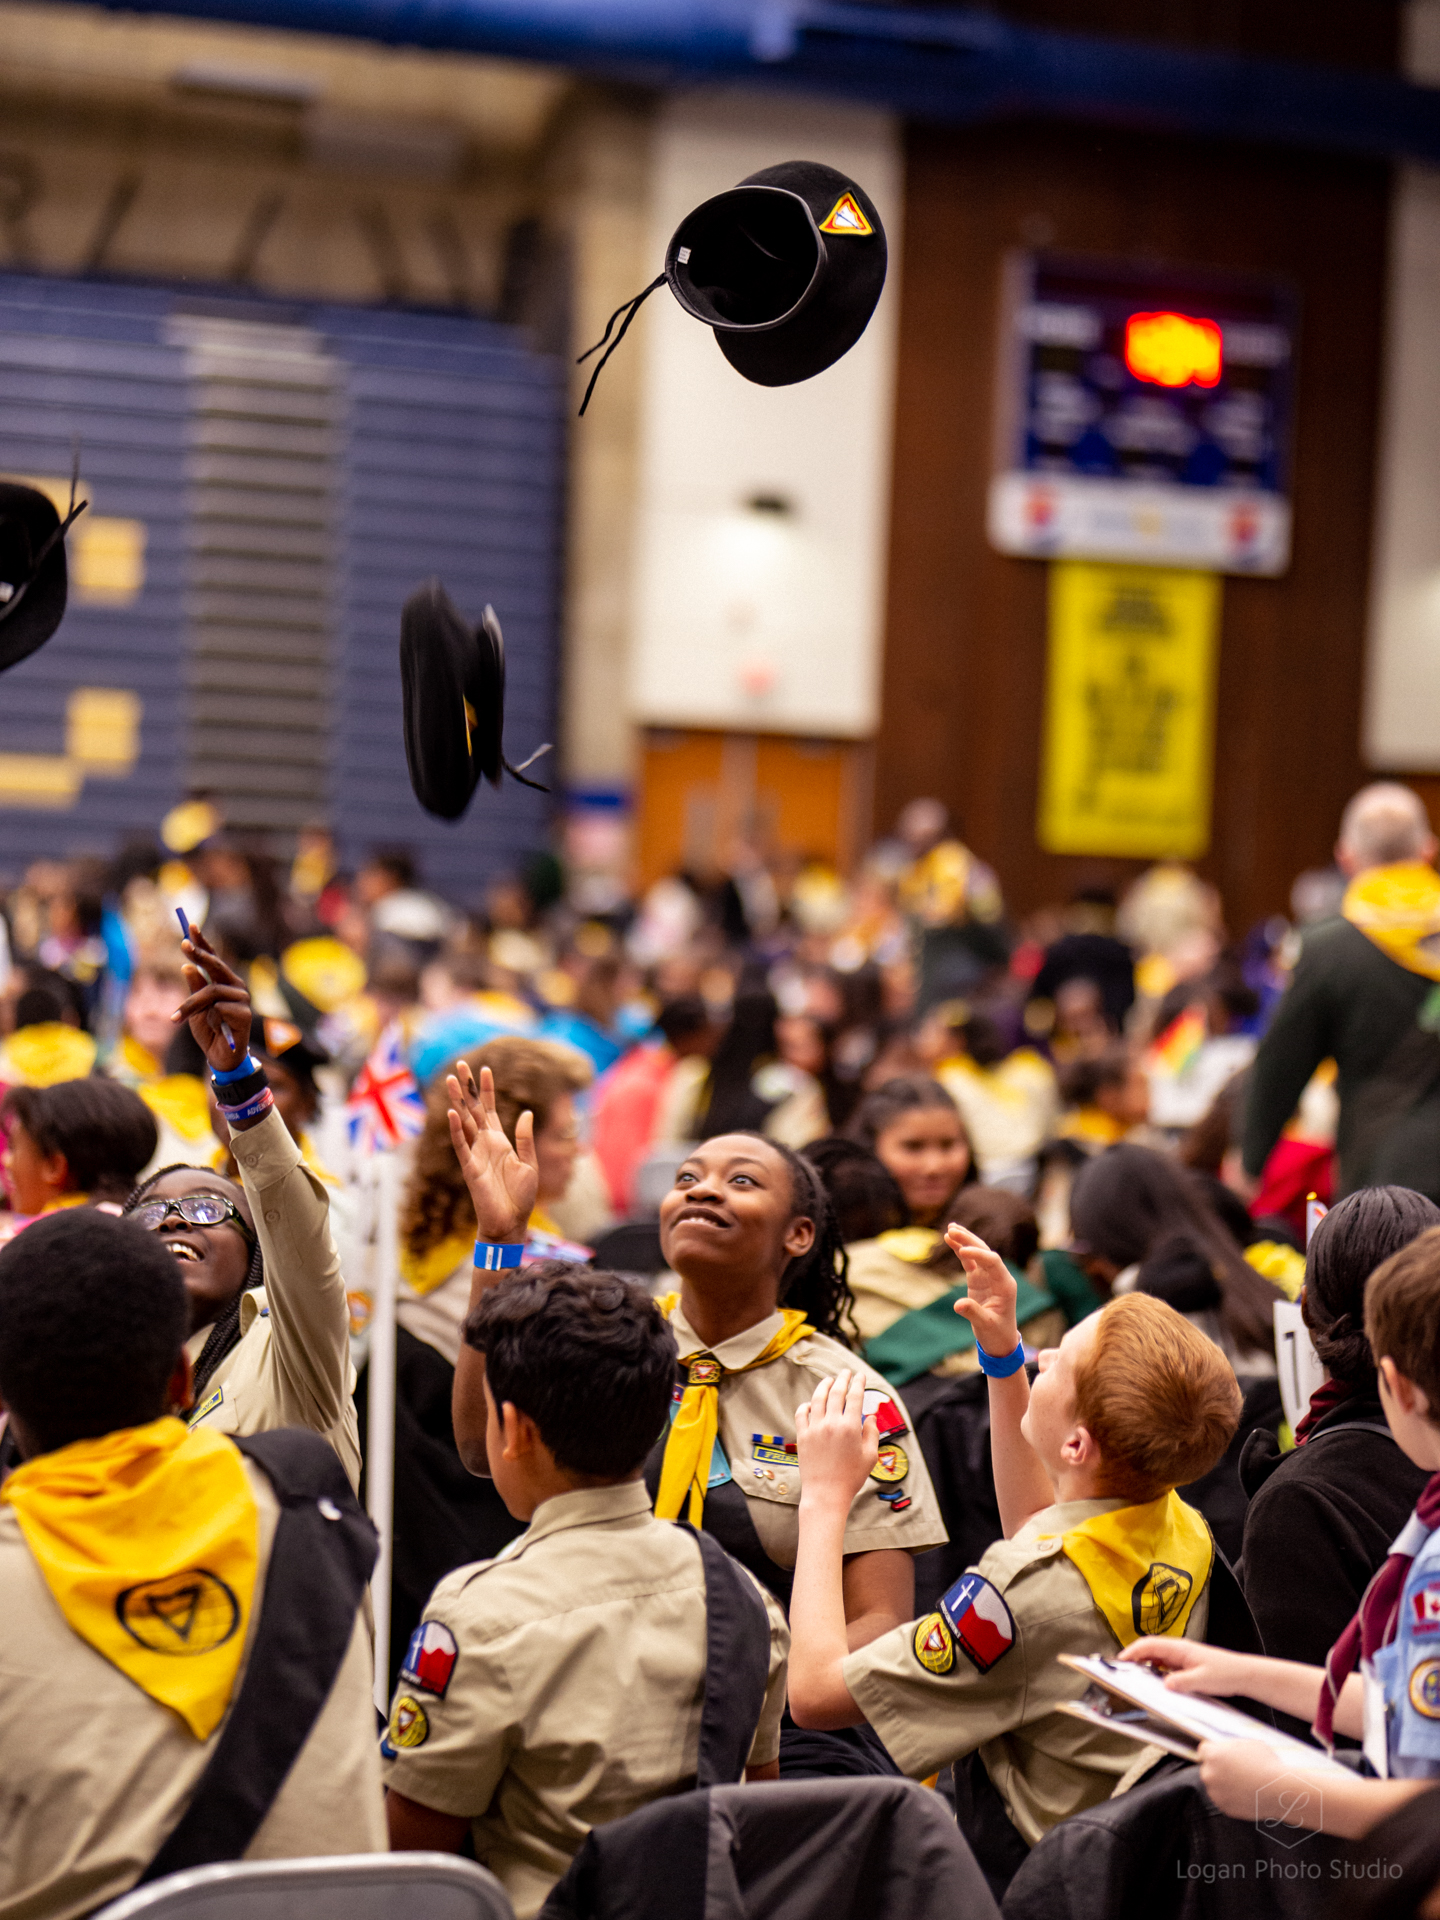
(775, 1449)
(208, 1406)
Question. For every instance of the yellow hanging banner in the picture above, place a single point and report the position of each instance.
(1129, 711)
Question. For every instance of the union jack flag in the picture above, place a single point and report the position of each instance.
(386, 1105)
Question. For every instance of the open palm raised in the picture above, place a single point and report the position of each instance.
(502, 1179)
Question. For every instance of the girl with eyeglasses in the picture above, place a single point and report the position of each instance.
(269, 1320)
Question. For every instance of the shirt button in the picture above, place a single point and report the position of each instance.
(271, 1215)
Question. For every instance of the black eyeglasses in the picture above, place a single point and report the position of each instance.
(196, 1210)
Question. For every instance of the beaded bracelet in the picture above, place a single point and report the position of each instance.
(251, 1109)
(1001, 1367)
(493, 1255)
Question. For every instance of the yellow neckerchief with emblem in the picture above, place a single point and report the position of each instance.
(148, 1540)
(1398, 909)
(1145, 1566)
(693, 1431)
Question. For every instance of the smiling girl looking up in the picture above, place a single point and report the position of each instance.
(748, 1230)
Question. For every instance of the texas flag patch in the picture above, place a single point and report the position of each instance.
(430, 1657)
(879, 1407)
(983, 1625)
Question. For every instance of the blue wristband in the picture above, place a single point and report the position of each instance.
(1002, 1368)
(247, 1066)
(493, 1255)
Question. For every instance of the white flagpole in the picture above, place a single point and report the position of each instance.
(380, 1424)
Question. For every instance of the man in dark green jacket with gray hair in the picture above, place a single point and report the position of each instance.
(1366, 993)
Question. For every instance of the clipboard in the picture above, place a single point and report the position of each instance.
(1127, 1698)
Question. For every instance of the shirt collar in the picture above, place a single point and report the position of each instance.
(736, 1352)
(586, 1507)
(1051, 1522)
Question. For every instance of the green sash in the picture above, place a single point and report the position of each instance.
(919, 1340)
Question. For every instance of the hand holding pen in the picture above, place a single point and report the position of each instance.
(218, 1008)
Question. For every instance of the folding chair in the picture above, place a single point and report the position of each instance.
(349, 1886)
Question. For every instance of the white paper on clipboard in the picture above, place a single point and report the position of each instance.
(1298, 1363)
(1147, 1711)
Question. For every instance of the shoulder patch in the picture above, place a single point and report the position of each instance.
(889, 1421)
(982, 1623)
(409, 1725)
(934, 1644)
(1425, 1689)
(430, 1658)
(1424, 1603)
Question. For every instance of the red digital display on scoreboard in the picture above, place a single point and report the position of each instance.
(1144, 414)
(1173, 350)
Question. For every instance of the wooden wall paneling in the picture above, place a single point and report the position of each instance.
(965, 650)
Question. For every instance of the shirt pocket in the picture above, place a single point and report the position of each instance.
(761, 1479)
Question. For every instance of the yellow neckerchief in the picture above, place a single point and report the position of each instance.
(148, 1540)
(137, 1059)
(693, 1431)
(44, 1055)
(542, 1222)
(1091, 1123)
(63, 1200)
(1278, 1263)
(179, 1100)
(912, 1244)
(1145, 1566)
(1398, 908)
(423, 1272)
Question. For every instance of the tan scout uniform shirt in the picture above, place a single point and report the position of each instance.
(759, 1407)
(576, 1689)
(94, 1773)
(885, 1287)
(1045, 1764)
(292, 1366)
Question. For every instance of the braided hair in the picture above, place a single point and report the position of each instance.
(816, 1282)
(224, 1335)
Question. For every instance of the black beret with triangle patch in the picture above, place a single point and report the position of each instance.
(452, 679)
(786, 268)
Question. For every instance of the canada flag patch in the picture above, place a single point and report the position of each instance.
(430, 1658)
(1425, 1609)
(983, 1625)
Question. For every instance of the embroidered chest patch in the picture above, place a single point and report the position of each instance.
(774, 1448)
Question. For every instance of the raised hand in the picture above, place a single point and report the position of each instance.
(837, 1445)
(213, 1009)
(503, 1180)
(990, 1308)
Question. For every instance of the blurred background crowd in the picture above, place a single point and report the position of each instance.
(904, 1011)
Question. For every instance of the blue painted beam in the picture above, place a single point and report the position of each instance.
(952, 65)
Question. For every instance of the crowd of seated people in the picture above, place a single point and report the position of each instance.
(635, 1504)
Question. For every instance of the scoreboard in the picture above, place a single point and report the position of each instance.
(1143, 414)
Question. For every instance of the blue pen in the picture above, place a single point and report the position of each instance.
(185, 930)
